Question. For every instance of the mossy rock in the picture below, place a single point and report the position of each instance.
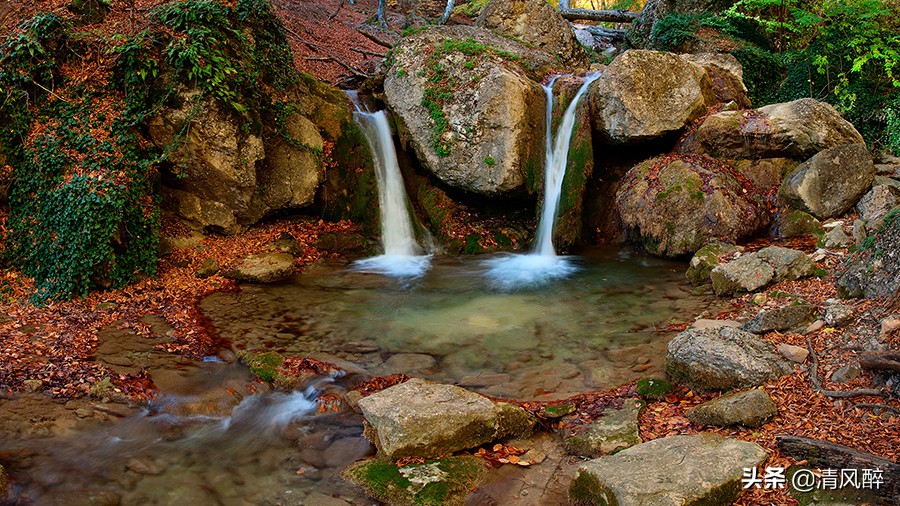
(434, 483)
(557, 411)
(652, 388)
(615, 430)
(705, 260)
(795, 223)
(513, 421)
(263, 365)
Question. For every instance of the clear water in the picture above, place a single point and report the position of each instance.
(591, 330)
(543, 265)
(218, 437)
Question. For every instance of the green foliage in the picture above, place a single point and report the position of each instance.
(441, 84)
(489, 161)
(84, 210)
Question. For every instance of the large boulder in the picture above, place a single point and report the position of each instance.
(645, 95)
(216, 162)
(228, 173)
(467, 106)
(726, 74)
(874, 269)
(831, 182)
(425, 420)
(703, 469)
(878, 203)
(722, 358)
(675, 206)
(759, 269)
(797, 129)
(537, 24)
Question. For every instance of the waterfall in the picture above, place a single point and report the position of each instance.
(403, 257)
(543, 264)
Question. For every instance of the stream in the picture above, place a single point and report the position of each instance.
(217, 436)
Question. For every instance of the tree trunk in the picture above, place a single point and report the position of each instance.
(447, 12)
(822, 454)
(880, 360)
(379, 14)
(612, 16)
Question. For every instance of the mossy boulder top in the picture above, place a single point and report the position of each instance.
(468, 103)
(536, 23)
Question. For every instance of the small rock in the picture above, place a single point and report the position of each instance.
(533, 456)
(107, 306)
(33, 385)
(705, 260)
(557, 411)
(445, 481)
(846, 373)
(615, 430)
(876, 204)
(859, 231)
(209, 268)
(888, 327)
(84, 412)
(145, 466)
(836, 238)
(360, 347)
(814, 327)
(793, 353)
(652, 388)
(320, 499)
(286, 243)
(838, 315)
(264, 268)
(714, 324)
(752, 408)
(782, 318)
(759, 299)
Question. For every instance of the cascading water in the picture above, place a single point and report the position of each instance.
(403, 257)
(543, 264)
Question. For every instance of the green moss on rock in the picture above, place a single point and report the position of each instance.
(652, 388)
(262, 365)
(434, 483)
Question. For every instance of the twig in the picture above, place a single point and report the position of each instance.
(363, 51)
(834, 394)
(338, 10)
(885, 407)
(375, 39)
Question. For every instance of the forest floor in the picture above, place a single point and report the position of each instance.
(54, 344)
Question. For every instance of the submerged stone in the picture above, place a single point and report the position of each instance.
(435, 483)
(704, 469)
(423, 419)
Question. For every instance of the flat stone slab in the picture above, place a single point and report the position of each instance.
(615, 430)
(263, 268)
(423, 419)
(699, 470)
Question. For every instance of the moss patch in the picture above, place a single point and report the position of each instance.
(438, 482)
(651, 388)
(262, 365)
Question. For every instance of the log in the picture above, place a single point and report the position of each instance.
(888, 360)
(606, 33)
(614, 16)
(823, 454)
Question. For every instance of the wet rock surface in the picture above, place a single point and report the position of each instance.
(615, 430)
